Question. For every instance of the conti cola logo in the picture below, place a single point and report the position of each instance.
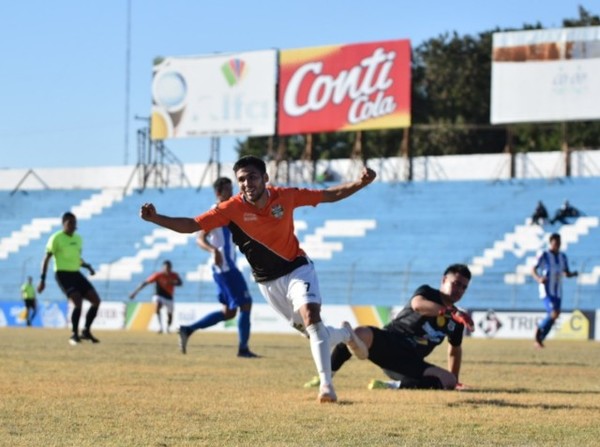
(365, 84)
(234, 70)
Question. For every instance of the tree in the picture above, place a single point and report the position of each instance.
(451, 96)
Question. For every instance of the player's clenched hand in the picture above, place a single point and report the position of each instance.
(148, 212)
(367, 176)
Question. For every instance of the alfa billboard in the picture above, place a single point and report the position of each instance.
(217, 95)
(344, 87)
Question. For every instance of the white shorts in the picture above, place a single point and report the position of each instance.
(168, 303)
(290, 292)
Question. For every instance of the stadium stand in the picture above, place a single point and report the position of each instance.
(374, 248)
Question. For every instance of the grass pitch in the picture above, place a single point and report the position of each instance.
(137, 389)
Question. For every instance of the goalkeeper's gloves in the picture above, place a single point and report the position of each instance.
(458, 315)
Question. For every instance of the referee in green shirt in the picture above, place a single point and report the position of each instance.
(65, 245)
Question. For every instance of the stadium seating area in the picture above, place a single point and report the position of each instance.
(373, 248)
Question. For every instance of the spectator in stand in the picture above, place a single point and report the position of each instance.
(564, 212)
(540, 215)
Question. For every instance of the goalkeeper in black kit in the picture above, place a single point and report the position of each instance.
(400, 348)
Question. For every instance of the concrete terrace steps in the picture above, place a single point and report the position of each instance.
(570, 234)
(160, 241)
(40, 226)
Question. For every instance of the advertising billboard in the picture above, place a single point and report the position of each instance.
(546, 75)
(217, 95)
(573, 325)
(344, 87)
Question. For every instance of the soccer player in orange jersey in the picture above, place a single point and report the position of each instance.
(166, 280)
(261, 221)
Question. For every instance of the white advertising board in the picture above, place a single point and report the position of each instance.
(546, 75)
(217, 95)
(522, 325)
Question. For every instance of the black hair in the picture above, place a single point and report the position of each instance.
(461, 269)
(220, 183)
(554, 236)
(250, 160)
(168, 263)
(68, 215)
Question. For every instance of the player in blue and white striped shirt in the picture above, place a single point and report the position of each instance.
(548, 272)
(232, 288)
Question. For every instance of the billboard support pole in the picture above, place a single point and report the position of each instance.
(510, 150)
(406, 155)
(357, 160)
(565, 149)
(280, 156)
(213, 160)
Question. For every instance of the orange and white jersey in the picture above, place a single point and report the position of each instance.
(265, 236)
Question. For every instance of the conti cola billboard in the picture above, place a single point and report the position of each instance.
(344, 87)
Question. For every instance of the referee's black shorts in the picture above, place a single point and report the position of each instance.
(70, 282)
(391, 351)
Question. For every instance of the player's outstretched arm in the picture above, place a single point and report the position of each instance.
(343, 190)
(179, 224)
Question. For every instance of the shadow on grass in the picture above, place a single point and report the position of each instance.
(508, 404)
(529, 391)
(531, 363)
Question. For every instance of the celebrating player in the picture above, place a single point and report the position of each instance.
(261, 221)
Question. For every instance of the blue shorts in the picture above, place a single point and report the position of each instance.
(552, 303)
(233, 290)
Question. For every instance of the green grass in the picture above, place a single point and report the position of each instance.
(136, 389)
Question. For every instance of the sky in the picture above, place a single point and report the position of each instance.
(76, 76)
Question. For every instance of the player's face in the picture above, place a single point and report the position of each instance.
(555, 245)
(252, 184)
(454, 285)
(70, 225)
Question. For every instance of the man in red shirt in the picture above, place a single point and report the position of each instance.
(165, 281)
(260, 219)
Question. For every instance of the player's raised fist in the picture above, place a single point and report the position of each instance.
(367, 176)
(147, 212)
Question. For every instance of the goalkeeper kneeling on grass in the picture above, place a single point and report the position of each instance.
(400, 347)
